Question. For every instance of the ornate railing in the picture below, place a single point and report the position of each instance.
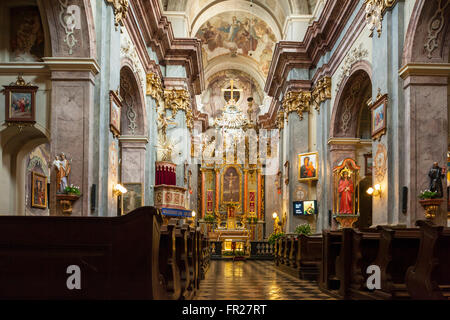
(261, 250)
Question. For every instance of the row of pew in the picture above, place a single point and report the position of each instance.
(134, 256)
(412, 263)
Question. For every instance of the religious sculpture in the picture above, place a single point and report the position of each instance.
(62, 167)
(436, 174)
(346, 190)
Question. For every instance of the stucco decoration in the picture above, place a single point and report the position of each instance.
(435, 27)
(380, 163)
(68, 19)
(238, 33)
(375, 10)
(356, 54)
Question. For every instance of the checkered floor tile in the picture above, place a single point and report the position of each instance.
(254, 280)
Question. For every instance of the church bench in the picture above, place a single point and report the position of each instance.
(398, 250)
(206, 256)
(330, 250)
(191, 259)
(358, 250)
(181, 238)
(308, 256)
(168, 261)
(429, 278)
(117, 256)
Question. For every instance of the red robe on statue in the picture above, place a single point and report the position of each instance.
(345, 189)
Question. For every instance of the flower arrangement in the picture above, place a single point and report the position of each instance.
(72, 190)
(303, 229)
(427, 194)
(210, 218)
(274, 237)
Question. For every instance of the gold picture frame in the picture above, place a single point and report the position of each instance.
(126, 197)
(39, 190)
(378, 118)
(225, 169)
(304, 172)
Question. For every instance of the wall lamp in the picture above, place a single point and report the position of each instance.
(119, 190)
(274, 215)
(375, 191)
(194, 214)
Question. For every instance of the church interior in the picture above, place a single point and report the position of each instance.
(225, 149)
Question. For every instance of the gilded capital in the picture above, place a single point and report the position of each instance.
(375, 10)
(177, 99)
(321, 92)
(120, 10)
(154, 87)
(280, 119)
(297, 101)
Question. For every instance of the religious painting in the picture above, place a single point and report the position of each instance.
(20, 104)
(368, 164)
(209, 201)
(231, 185)
(252, 201)
(38, 190)
(115, 113)
(378, 111)
(238, 34)
(308, 166)
(26, 34)
(346, 190)
(133, 198)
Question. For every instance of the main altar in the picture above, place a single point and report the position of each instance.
(232, 184)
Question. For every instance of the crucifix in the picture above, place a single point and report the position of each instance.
(232, 91)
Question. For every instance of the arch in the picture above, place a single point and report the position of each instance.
(85, 45)
(353, 93)
(133, 120)
(417, 35)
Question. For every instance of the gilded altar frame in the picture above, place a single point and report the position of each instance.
(238, 170)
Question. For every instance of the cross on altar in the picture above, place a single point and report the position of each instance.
(232, 90)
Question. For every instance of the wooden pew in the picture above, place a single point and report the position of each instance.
(191, 260)
(181, 236)
(429, 278)
(398, 250)
(117, 256)
(308, 256)
(168, 260)
(330, 250)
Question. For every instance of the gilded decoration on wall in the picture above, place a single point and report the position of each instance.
(120, 11)
(176, 100)
(435, 26)
(321, 92)
(380, 163)
(280, 119)
(154, 87)
(297, 101)
(375, 10)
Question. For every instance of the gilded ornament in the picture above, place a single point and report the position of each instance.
(321, 92)
(120, 11)
(375, 10)
(297, 101)
(154, 87)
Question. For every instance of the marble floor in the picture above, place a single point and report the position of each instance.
(254, 280)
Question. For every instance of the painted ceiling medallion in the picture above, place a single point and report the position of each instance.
(375, 10)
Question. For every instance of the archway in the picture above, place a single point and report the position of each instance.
(351, 134)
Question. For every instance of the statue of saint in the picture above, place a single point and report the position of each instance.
(346, 190)
(62, 166)
(436, 174)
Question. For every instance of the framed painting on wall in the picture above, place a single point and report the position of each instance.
(20, 103)
(133, 198)
(38, 190)
(368, 164)
(378, 119)
(115, 110)
(308, 166)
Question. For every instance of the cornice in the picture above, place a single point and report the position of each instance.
(320, 37)
(158, 34)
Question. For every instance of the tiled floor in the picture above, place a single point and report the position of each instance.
(254, 280)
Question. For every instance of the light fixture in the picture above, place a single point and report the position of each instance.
(193, 214)
(274, 215)
(119, 190)
(375, 191)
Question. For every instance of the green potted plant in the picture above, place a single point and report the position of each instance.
(274, 237)
(303, 229)
(430, 202)
(72, 190)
